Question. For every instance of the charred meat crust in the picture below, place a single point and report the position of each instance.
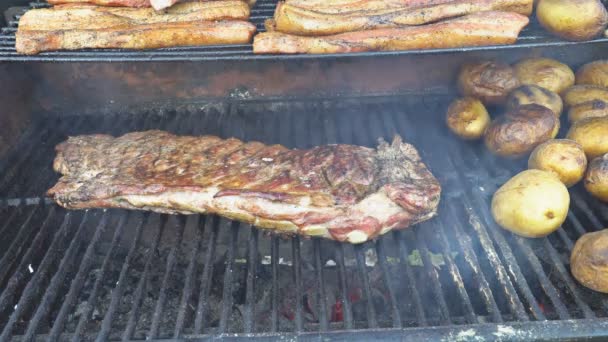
(329, 191)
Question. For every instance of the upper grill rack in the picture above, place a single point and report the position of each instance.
(121, 275)
(531, 37)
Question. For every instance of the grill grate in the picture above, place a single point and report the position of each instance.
(115, 274)
(531, 37)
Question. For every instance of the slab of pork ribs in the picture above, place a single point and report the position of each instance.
(340, 192)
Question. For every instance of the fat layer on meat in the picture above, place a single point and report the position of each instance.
(341, 192)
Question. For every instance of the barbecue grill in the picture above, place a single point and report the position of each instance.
(117, 274)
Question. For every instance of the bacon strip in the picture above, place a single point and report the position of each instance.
(111, 3)
(308, 22)
(156, 4)
(72, 27)
(486, 28)
(347, 6)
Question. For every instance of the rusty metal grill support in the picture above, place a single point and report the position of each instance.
(110, 274)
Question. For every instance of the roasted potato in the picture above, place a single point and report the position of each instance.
(592, 134)
(467, 118)
(528, 94)
(574, 20)
(589, 260)
(594, 73)
(488, 81)
(591, 109)
(545, 72)
(533, 203)
(596, 178)
(520, 130)
(584, 93)
(563, 157)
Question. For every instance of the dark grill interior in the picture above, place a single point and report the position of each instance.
(116, 274)
(532, 36)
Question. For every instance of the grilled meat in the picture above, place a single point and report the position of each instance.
(341, 192)
(485, 28)
(112, 3)
(85, 26)
(156, 4)
(347, 6)
(311, 22)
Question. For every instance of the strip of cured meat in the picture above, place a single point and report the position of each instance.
(309, 22)
(479, 29)
(341, 192)
(156, 4)
(70, 27)
(347, 6)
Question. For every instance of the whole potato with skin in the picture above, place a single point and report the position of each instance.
(594, 73)
(531, 94)
(534, 203)
(488, 81)
(596, 178)
(563, 157)
(468, 118)
(520, 130)
(592, 134)
(584, 93)
(574, 20)
(589, 260)
(591, 109)
(546, 73)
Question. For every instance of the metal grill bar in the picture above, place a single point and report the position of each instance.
(228, 283)
(321, 299)
(387, 281)
(252, 262)
(39, 160)
(578, 201)
(297, 277)
(372, 321)
(404, 251)
(77, 284)
(190, 276)
(26, 156)
(18, 244)
(33, 285)
(466, 246)
(23, 146)
(514, 302)
(116, 292)
(274, 259)
(141, 285)
(436, 288)
(469, 312)
(162, 296)
(345, 300)
(67, 262)
(9, 222)
(565, 276)
(545, 283)
(16, 279)
(203, 302)
(32, 163)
